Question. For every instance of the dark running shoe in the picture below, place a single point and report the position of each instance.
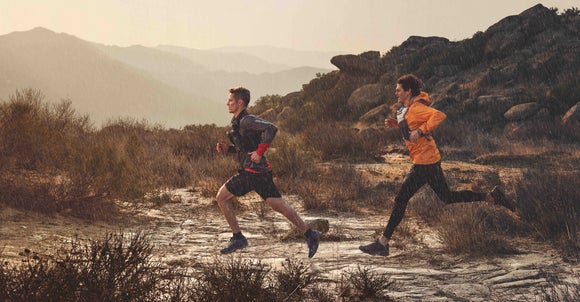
(235, 244)
(375, 248)
(500, 199)
(312, 242)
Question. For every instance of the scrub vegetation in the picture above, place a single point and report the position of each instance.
(54, 161)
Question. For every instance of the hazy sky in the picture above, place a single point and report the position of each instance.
(351, 26)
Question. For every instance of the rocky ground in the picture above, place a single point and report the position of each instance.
(190, 231)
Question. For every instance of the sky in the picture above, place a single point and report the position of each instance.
(351, 26)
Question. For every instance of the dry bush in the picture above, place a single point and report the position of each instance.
(466, 137)
(231, 279)
(289, 159)
(118, 268)
(365, 283)
(475, 230)
(34, 135)
(548, 202)
(426, 205)
(334, 141)
(467, 228)
(293, 279)
(237, 279)
(339, 188)
(211, 173)
(53, 160)
(561, 292)
(20, 192)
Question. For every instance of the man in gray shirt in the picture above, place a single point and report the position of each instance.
(250, 138)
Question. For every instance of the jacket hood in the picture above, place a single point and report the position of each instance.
(423, 96)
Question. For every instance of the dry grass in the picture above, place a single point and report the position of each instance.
(234, 279)
(548, 202)
(339, 187)
(476, 230)
(120, 267)
(53, 160)
(364, 283)
(116, 268)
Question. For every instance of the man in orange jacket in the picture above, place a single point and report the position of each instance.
(417, 120)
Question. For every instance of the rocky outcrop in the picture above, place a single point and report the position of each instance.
(367, 63)
(513, 32)
(487, 79)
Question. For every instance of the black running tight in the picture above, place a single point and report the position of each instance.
(415, 179)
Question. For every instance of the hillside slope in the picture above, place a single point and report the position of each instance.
(531, 59)
(65, 67)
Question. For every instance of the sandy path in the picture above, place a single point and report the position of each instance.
(191, 231)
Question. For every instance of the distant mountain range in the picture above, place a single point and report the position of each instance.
(170, 85)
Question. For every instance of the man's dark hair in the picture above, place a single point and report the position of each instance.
(241, 93)
(410, 81)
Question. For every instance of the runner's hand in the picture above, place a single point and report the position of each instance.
(391, 122)
(255, 157)
(414, 136)
(221, 147)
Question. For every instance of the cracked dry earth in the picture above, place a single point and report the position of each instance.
(191, 230)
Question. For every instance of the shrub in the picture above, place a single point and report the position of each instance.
(548, 201)
(233, 279)
(36, 136)
(293, 279)
(366, 283)
(52, 159)
(117, 268)
(338, 187)
(332, 141)
(475, 230)
(289, 159)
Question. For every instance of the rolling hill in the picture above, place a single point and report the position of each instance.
(169, 85)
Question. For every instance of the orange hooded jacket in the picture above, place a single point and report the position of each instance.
(420, 116)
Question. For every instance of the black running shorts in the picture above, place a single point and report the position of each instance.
(262, 183)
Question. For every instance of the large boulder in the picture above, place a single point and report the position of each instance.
(513, 32)
(367, 95)
(415, 43)
(365, 63)
(522, 111)
(539, 125)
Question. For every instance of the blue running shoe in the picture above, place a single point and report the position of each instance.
(312, 242)
(375, 248)
(235, 244)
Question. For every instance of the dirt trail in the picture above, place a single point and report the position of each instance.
(191, 231)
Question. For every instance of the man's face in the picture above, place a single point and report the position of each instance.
(233, 104)
(402, 95)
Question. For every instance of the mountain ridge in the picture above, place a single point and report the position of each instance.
(136, 81)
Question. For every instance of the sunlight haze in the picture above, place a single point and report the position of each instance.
(319, 25)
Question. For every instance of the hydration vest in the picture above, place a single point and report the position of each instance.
(246, 140)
